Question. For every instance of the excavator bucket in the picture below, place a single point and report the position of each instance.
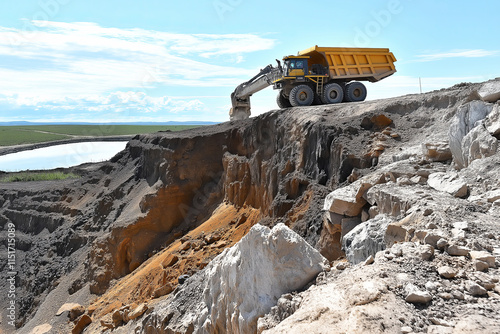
(240, 109)
(240, 98)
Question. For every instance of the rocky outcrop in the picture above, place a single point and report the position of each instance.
(466, 141)
(238, 286)
(478, 144)
(413, 216)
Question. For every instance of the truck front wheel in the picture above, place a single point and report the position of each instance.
(282, 101)
(333, 93)
(355, 92)
(301, 95)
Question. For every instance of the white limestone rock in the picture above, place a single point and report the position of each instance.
(416, 296)
(483, 256)
(492, 122)
(347, 200)
(448, 182)
(493, 196)
(480, 265)
(478, 144)
(392, 199)
(426, 252)
(490, 91)
(455, 250)
(240, 285)
(447, 272)
(475, 289)
(464, 121)
(366, 239)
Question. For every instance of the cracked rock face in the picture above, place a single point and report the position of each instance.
(468, 117)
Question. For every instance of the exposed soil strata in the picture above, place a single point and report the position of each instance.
(170, 202)
(158, 276)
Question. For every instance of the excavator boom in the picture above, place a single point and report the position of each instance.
(240, 98)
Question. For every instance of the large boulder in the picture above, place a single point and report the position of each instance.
(240, 285)
(490, 91)
(439, 151)
(465, 120)
(448, 182)
(478, 144)
(347, 200)
(366, 239)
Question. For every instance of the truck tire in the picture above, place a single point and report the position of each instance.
(301, 95)
(355, 92)
(333, 93)
(282, 101)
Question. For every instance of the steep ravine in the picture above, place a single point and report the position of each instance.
(170, 202)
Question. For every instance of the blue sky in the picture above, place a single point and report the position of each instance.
(151, 60)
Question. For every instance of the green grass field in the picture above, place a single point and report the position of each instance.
(17, 135)
(37, 176)
(10, 135)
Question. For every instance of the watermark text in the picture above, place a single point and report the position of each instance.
(11, 274)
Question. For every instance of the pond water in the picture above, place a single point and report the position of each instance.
(65, 155)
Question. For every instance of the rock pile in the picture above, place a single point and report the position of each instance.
(441, 293)
(426, 235)
(239, 285)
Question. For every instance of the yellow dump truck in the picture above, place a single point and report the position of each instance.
(318, 75)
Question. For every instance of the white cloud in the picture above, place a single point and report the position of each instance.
(479, 53)
(96, 38)
(75, 59)
(126, 103)
(82, 71)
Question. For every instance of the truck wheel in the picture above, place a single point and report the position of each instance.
(282, 101)
(301, 95)
(355, 92)
(333, 93)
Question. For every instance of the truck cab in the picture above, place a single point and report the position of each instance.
(295, 66)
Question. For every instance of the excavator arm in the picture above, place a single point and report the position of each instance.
(240, 98)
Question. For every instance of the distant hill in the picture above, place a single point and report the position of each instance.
(24, 123)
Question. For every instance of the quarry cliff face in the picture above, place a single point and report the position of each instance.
(116, 240)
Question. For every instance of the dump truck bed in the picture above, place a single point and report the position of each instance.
(371, 64)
